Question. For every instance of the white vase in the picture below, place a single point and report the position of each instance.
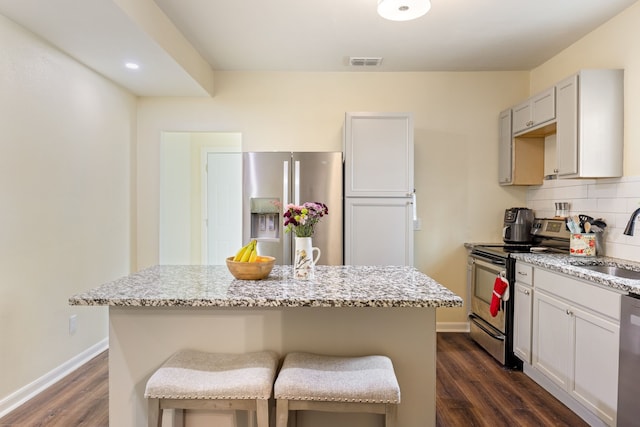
(304, 262)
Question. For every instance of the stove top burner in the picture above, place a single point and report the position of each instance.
(503, 250)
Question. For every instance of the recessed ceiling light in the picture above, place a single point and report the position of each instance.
(132, 65)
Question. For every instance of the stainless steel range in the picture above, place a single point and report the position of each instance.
(488, 262)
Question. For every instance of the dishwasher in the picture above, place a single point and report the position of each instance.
(629, 368)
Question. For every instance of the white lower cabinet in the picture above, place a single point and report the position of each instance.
(576, 340)
(595, 364)
(523, 302)
(522, 309)
(551, 339)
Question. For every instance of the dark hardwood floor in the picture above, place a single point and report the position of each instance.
(79, 400)
(472, 390)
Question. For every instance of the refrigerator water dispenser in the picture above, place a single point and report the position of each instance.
(265, 218)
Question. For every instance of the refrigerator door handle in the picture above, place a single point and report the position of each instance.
(296, 177)
(285, 185)
(415, 206)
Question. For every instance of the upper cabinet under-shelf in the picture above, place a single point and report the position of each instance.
(585, 114)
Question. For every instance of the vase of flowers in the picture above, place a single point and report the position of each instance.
(302, 220)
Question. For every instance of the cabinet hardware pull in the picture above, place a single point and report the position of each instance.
(522, 273)
(526, 292)
(569, 312)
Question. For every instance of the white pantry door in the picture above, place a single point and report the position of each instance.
(379, 231)
(224, 206)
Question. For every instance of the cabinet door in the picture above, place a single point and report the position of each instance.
(505, 156)
(378, 155)
(552, 349)
(378, 231)
(595, 364)
(535, 111)
(567, 126)
(523, 310)
(543, 107)
(522, 117)
(590, 111)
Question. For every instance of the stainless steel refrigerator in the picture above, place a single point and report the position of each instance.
(274, 179)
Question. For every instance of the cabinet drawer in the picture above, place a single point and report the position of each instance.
(574, 291)
(524, 273)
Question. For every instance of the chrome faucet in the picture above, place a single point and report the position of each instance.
(629, 230)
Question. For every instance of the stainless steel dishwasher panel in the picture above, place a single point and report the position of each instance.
(629, 368)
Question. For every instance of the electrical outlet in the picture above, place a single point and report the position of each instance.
(73, 320)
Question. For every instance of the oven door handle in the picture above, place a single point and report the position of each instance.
(478, 322)
(491, 267)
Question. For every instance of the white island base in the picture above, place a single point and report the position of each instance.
(142, 338)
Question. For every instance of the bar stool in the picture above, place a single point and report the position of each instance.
(336, 384)
(193, 379)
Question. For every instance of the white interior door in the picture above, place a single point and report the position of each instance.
(224, 206)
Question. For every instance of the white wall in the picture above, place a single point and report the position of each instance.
(65, 158)
(455, 145)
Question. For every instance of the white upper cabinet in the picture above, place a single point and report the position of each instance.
(378, 155)
(505, 172)
(534, 112)
(589, 139)
(572, 130)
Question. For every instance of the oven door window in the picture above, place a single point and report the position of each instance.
(485, 280)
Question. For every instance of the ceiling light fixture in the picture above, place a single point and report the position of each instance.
(403, 10)
(132, 65)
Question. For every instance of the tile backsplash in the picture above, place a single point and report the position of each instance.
(611, 199)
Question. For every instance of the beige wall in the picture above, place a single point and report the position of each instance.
(455, 140)
(613, 45)
(65, 203)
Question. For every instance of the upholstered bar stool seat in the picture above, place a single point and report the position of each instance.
(193, 379)
(336, 384)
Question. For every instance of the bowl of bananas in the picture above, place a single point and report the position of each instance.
(248, 265)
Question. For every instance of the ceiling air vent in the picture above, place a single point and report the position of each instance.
(365, 61)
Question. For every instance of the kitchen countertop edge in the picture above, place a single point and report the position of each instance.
(213, 286)
(570, 265)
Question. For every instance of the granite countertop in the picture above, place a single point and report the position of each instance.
(570, 265)
(214, 286)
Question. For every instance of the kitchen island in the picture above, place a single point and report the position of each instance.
(345, 310)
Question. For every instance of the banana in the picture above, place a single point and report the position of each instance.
(242, 250)
(247, 253)
(254, 255)
(239, 254)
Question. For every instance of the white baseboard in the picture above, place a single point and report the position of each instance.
(31, 390)
(452, 326)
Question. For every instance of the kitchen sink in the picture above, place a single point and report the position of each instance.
(613, 271)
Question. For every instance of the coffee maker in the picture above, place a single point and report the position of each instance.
(517, 225)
